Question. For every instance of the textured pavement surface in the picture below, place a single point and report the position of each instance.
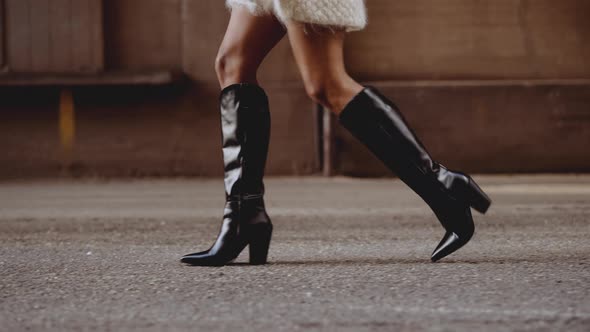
(347, 255)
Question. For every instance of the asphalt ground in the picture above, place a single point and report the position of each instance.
(347, 255)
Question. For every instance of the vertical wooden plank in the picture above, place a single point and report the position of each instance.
(87, 37)
(97, 35)
(2, 34)
(80, 43)
(18, 32)
(60, 27)
(40, 42)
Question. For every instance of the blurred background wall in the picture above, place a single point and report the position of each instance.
(127, 87)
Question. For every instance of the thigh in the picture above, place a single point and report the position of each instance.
(251, 36)
(318, 51)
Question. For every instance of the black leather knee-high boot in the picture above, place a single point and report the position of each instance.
(245, 123)
(377, 123)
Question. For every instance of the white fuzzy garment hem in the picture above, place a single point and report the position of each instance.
(350, 15)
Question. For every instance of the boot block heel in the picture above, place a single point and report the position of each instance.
(259, 245)
(477, 198)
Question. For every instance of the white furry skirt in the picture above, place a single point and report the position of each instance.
(347, 14)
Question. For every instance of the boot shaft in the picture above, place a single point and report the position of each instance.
(245, 126)
(369, 116)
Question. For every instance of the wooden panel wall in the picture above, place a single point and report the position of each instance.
(176, 131)
(472, 39)
(54, 35)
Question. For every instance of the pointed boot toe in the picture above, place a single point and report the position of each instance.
(196, 254)
(191, 258)
(450, 243)
(458, 222)
(187, 259)
(204, 260)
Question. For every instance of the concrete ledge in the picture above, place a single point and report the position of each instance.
(480, 83)
(163, 77)
(477, 126)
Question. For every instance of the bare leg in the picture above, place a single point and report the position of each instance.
(320, 58)
(246, 43)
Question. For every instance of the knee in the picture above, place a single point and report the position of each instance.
(227, 65)
(318, 92)
(231, 67)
